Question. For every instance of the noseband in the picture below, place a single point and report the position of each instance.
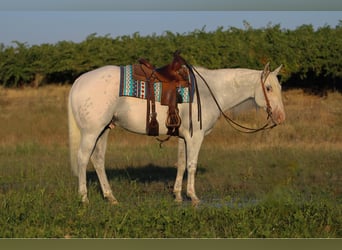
(238, 126)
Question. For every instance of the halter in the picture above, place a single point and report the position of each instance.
(231, 122)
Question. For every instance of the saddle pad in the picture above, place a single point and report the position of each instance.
(139, 89)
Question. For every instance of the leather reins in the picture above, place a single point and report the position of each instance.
(233, 123)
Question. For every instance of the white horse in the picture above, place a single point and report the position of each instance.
(94, 103)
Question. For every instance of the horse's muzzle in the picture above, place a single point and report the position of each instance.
(278, 116)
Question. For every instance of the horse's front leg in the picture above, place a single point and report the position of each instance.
(181, 164)
(193, 146)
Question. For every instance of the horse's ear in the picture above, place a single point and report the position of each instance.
(277, 70)
(266, 71)
(267, 67)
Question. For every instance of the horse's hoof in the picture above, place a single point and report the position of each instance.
(112, 201)
(85, 200)
(195, 202)
(178, 200)
(178, 197)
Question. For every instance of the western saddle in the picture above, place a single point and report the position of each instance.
(171, 76)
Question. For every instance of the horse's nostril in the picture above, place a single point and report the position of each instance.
(281, 118)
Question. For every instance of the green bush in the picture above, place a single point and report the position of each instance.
(308, 55)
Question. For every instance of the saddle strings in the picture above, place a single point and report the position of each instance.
(199, 106)
(230, 121)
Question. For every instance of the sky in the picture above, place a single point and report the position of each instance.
(37, 27)
(48, 21)
(172, 5)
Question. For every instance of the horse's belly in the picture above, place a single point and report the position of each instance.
(130, 114)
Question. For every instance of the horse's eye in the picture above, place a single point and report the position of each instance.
(268, 88)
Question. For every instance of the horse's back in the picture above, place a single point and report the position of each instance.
(98, 76)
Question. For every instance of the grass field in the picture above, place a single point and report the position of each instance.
(286, 182)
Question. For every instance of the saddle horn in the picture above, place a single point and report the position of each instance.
(177, 52)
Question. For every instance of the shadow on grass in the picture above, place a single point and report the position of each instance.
(144, 174)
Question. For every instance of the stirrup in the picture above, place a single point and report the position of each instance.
(173, 120)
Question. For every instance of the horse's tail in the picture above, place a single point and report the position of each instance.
(74, 138)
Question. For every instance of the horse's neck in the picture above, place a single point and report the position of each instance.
(231, 86)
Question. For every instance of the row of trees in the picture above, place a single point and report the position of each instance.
(310, 57)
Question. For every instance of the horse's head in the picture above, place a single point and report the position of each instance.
(268, 95)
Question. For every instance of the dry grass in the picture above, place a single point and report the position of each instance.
(40, 115)
(311, 122)
(34, 115)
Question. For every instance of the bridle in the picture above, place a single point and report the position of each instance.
(264, 75)
(263, 78)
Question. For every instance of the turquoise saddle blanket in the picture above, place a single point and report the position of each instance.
(139, 89)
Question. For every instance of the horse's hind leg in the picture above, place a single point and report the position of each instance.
(98, 160)
(86, 148)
